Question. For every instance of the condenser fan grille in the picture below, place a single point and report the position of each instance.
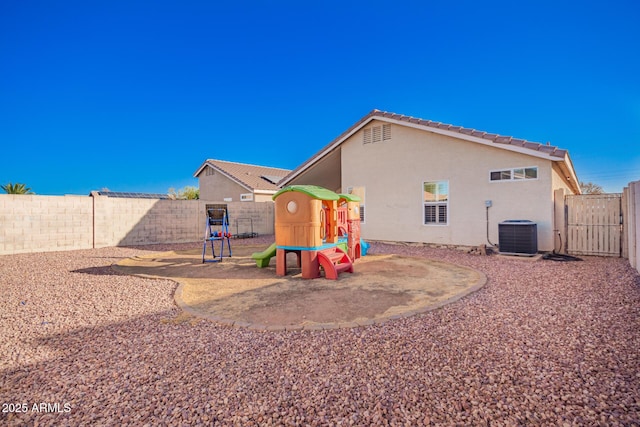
(518, 237)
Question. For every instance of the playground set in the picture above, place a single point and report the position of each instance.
(320, 227)
(216, 230)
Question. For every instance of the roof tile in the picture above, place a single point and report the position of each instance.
(532, 145)
(251, 176)
(503, 140)
(547, 149)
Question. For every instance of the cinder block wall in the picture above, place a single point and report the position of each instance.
(242, 214)
(117, 219)
(45, 223)
(122, 222)
(31, 223)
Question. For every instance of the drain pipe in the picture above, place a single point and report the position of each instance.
(488, 204)
(560, 238)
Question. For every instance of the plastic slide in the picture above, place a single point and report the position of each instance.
(263, 258)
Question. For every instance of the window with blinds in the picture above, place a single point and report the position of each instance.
(436, 202)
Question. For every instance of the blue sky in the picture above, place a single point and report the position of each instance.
(135, 95)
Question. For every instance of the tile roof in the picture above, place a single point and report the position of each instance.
(495, 138)
(252, 177)
(502, 141)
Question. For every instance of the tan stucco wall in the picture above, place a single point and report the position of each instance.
(325, 173)
(219, 187)
(558, 181)
(393, 173)
(263, 197)
(561, 188)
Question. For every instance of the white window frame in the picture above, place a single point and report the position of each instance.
(246, 197)
(512, 174)
(436, 204)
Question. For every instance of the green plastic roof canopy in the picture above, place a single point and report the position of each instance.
(314, 191)
(350, 197)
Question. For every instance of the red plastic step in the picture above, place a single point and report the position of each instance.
(334, 261)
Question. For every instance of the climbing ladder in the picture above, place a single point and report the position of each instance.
(334, 261)
(217, 230)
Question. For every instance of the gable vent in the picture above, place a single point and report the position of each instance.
(376, 134)
(366, 136)
(386, 132)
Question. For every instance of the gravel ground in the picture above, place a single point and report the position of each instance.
(543, 343)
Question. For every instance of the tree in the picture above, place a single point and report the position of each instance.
(16, 188)
(590, 188)
(185, 193)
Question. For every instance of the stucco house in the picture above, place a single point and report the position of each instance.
(220, 180)
(425, 181)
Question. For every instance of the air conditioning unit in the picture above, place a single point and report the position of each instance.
(518, 237)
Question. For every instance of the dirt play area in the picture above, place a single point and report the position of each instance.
(236, 292)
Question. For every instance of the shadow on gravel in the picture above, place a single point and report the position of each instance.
(99, 271)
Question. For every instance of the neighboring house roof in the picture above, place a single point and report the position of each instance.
(258, 179)
(535, 149)
(128, 195)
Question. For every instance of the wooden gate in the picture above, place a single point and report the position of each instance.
(594, 224)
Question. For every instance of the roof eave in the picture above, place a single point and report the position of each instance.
(566, 165)
(201, 168)
(327, 149)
